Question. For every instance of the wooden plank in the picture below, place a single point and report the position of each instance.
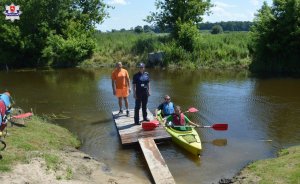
(130, 133)
(157, 165)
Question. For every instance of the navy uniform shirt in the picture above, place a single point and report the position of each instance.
(141, 80)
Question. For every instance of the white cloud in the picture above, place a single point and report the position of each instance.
(117, 2)
(223, 5)
(227, 12)
(255, 2)
(221, 14)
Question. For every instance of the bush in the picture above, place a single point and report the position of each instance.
(138, 29)
(67, 52)
(216, 29)
(188, 36)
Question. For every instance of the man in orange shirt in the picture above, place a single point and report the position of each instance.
(121, 86)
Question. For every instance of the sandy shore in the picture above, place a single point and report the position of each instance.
(75, 167)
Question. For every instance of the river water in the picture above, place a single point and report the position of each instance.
(263, 116)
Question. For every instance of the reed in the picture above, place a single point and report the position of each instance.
(228, 50)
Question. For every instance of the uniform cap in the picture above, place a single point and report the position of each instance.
(141, 65)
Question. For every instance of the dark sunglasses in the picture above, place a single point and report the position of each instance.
(167, 98)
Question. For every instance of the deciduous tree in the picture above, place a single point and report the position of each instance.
(171, 14)
(57, 31)
(276, 37)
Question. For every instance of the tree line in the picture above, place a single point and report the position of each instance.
(226, 26)
(62, 33)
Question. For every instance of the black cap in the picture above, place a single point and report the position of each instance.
(141, 65)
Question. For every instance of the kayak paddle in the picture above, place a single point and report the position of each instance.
(25, 115)
(150, 125)
(219, 127)
(192, 109)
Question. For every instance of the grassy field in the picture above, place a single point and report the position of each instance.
(35, 140)
(228, 50)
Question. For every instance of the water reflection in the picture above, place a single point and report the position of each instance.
(282, 101)
(255, 109)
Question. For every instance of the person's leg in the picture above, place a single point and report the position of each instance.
(120, 104)
(144, 107)
(136, 111)
(126, 105)
(126, 102)
(119, 95)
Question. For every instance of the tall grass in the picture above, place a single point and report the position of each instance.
(228, 50)
(224, 50)
(118, 46)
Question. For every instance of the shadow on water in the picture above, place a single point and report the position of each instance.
(254, 108)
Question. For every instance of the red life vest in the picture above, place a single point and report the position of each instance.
(178, 120)
(2, 113)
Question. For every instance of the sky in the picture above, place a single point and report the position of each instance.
(131, 13)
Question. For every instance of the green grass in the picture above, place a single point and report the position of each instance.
(117, 46)
(69, 174)
(284, 169)
(52, 161)
(228, 50)
(36, 139)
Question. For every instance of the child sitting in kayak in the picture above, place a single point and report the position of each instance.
(179, 121)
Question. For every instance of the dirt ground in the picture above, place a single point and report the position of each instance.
(76, 168)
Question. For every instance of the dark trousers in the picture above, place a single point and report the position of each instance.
(138, 101)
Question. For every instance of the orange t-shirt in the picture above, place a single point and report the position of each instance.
(120, 78)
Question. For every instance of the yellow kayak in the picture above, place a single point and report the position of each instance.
(189, 140)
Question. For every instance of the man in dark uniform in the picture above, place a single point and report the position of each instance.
(141, 92)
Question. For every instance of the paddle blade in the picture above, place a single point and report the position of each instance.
(192, 109)
(147, 126)
(23, 115)
(220, 127)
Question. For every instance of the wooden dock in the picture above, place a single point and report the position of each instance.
(133, 134)
(157, 165)
(130, 133)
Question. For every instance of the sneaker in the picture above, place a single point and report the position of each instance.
(127, 113)
(146, 119)
(120, 112)
(137, 123)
